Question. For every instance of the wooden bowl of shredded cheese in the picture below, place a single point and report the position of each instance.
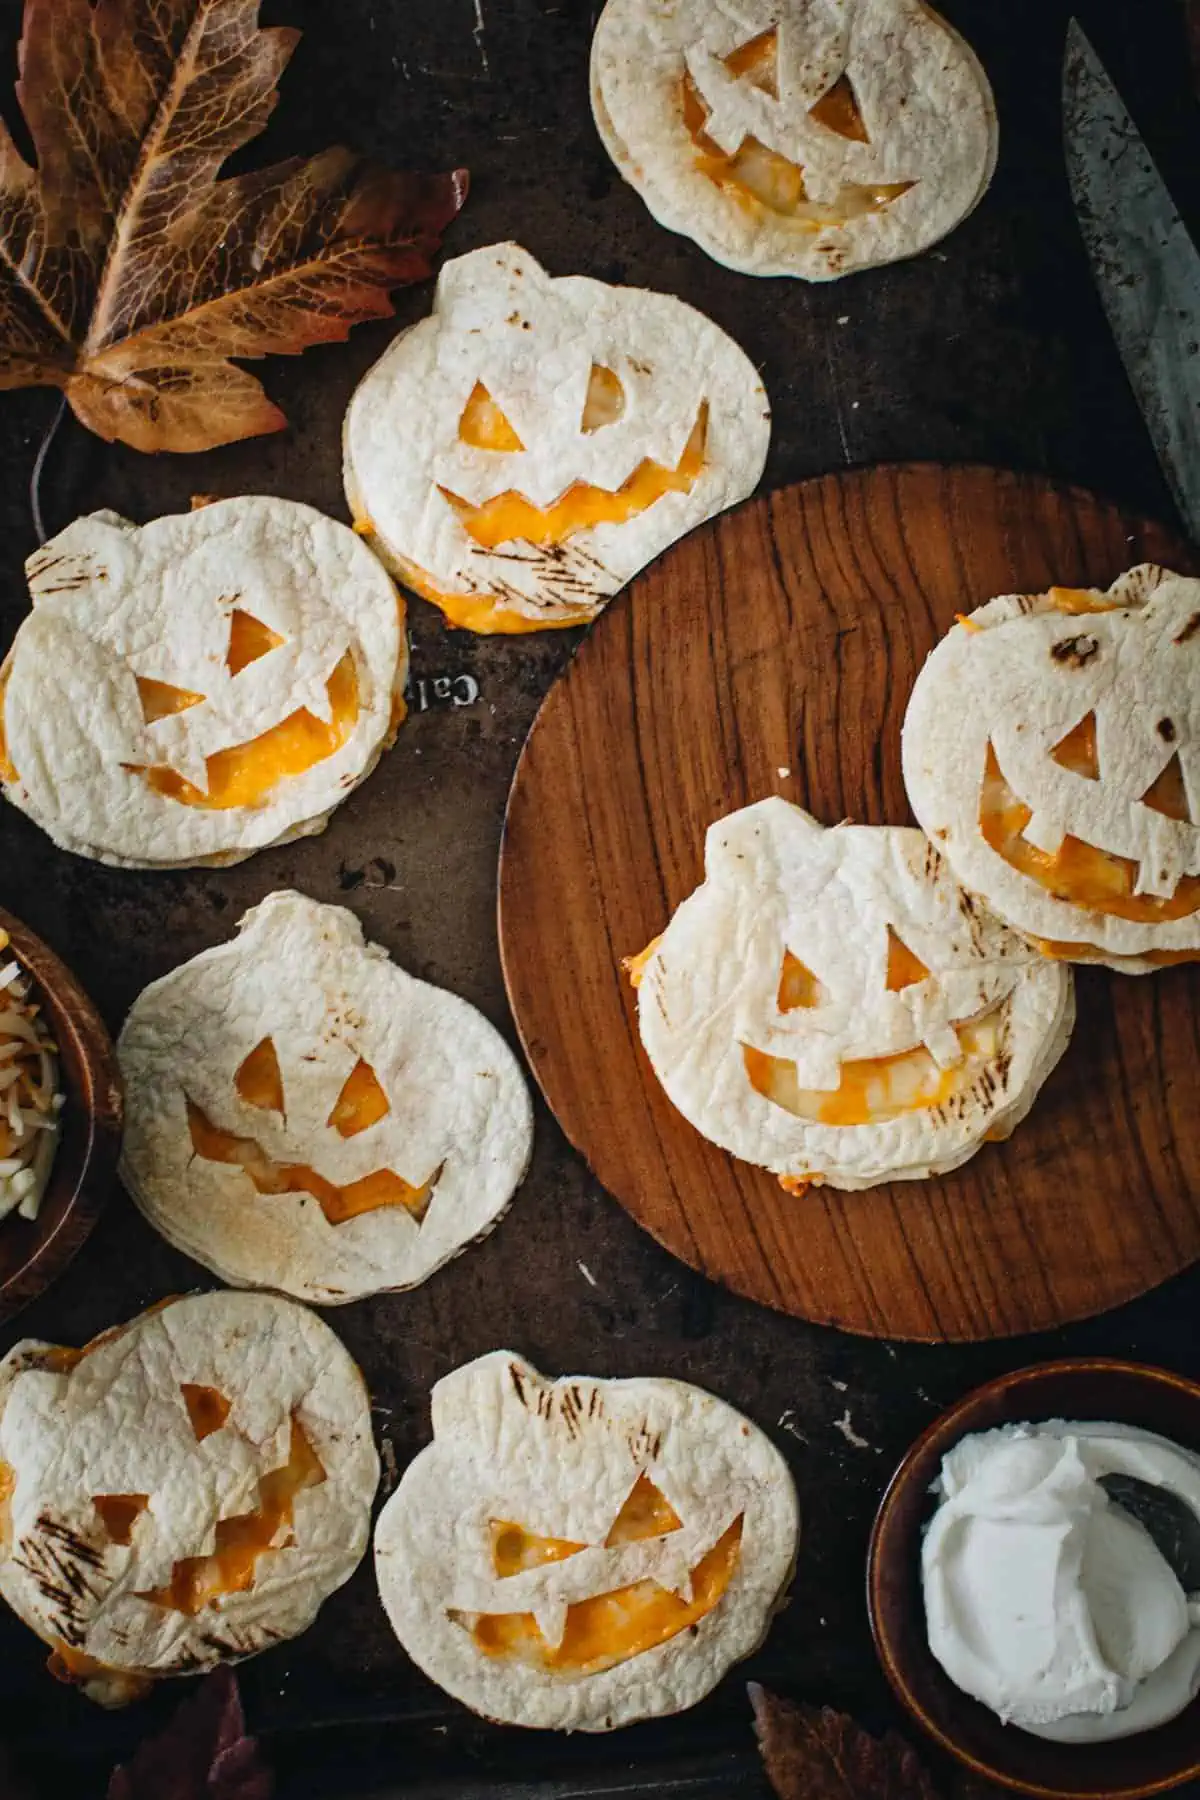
(60, 1115)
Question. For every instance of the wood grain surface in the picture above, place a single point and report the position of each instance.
(773, 652)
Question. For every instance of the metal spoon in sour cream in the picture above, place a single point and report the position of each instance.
(1048, 1601)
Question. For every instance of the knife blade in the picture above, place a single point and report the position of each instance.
(1145, 265)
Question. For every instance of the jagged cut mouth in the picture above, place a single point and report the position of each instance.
(1078, 873)
(874, 1090)
(511, 518)
(607, 1629)
(248, 774)
(381, 1188)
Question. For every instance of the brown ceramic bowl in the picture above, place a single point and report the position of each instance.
(1151, 1763)
(33, 1252)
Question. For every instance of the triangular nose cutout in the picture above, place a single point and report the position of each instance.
(904, 968)
(258, 1080)
(838, 110)
(1077, 751)
(249, 639)
(757, 61)
(1167, 794)
(483, 424)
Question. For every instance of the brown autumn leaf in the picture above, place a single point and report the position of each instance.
(814, 1753)
(130, 274)
(202, 1753)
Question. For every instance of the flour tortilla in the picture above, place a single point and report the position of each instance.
(925, 101)
(302, 974)
(1020, 673)
(113, 601)
(117, 1424)
(531, 341)
(776, 881)
(560, 1458)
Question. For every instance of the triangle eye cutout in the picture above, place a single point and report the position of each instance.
(249, 639)
(838, 110)
(757, 61)
(514, 1549)
(1077, 751)
(1168, 795)
(119, 1513)
(207, 1409)
(605, 399)
(646, 1513)
(904, 967)
(483, 425)
(160, 700)
(362, 1102)
(258, 1081)
(798, 986)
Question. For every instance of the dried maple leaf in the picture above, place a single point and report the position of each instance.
(130, 274)
(814, 1753)
(203, 1754)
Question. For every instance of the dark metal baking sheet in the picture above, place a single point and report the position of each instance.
(992, 348)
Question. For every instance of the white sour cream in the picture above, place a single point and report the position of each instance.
(1047, 1601)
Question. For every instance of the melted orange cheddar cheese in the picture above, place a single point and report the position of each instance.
(904, 966)
(1081, 600)
(798, 1185)
(1060, 951)
(1077, 872)
(249, 639)
(484, 426)
(764, 180)
(8, 1487)
(608, 1629)
(838, 111)
(872, 1090)
(511, 518)
(798, 986)
(646, 1513)
(247, 774)
(383, 1187)
(7, 771)
(77, 1669)
(361, 1103)
(119, 1513)
(481, 613)
(239, 1542)
(635, 966)
(515, 1549)
(161, 700)
(258, 1080)
(207, 1409)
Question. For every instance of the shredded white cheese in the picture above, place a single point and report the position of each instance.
(30, 1097)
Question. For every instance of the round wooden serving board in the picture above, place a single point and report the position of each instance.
(773, 652)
